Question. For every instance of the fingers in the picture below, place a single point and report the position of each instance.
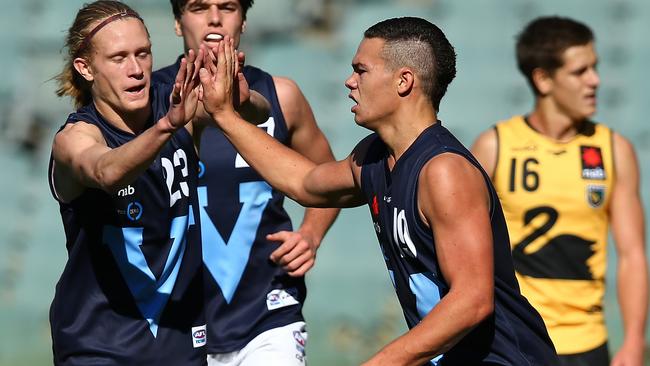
(178, 83)
(241, 59)
(189, 68)
(295, 254)
(206, 79)
(284, 237)
(300, 265)
(222, 70)
(198, 62)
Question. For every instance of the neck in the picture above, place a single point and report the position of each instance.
(403, 127)
(548, 120)
(130, 121)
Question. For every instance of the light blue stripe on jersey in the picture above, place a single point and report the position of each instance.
(227, 261)
(150, 294)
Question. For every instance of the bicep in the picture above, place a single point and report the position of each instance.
(485, 150)
(76, 150)
(625, 208)
(453, 201)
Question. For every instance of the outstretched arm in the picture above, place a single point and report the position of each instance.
(297, 251)
(626, 214)
(332, 184)
(454, 203)
(83, 159)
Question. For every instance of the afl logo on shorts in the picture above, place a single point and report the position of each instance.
(199, 337)
(134, 211)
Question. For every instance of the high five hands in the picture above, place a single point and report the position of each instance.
(213, 76)
(185, 95)
(220, 76)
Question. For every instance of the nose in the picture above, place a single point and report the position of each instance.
(134, 69)
(351, 82)
(594, 78)
(214, 18)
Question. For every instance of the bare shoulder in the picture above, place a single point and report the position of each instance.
(449, 169)
(485, 149)
(287, 89)
(626, 165)
(75, 135)
(448, 186)
(622, 145)
(486, 140)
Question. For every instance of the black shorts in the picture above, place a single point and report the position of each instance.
(598, 356)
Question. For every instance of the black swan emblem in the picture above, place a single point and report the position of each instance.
(562, 257)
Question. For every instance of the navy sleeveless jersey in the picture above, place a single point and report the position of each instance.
(247, 294)
(515, 334)
(131, 291)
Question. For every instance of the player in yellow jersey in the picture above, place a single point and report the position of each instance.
(562, 179)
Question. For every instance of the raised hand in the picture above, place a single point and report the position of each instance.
(242, 91)
(184, 96)
(217, 78)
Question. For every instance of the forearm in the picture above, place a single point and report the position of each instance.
(282, 167)
(449, 321)
(632, 282)
(317, 221)
(122, 165)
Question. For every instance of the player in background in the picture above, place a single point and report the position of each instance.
(562, 180)
(255, 261)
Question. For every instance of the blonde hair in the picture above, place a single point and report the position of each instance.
(78, 44)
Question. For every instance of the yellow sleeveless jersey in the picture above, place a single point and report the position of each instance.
(555, 197)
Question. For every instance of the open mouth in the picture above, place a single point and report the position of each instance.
(135, 89)
(213, 37)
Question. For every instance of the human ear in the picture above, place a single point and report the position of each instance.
(83, 68)
(542, 80)
(177, 28)
(406, 81)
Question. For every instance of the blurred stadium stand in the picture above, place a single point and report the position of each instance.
(351, 309)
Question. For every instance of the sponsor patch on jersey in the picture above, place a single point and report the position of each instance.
(134, 211)
(199, 336)
(126, 191)
(595, 195)
(280, 298)
(592, 163)
(201, 169)
(375, 206)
